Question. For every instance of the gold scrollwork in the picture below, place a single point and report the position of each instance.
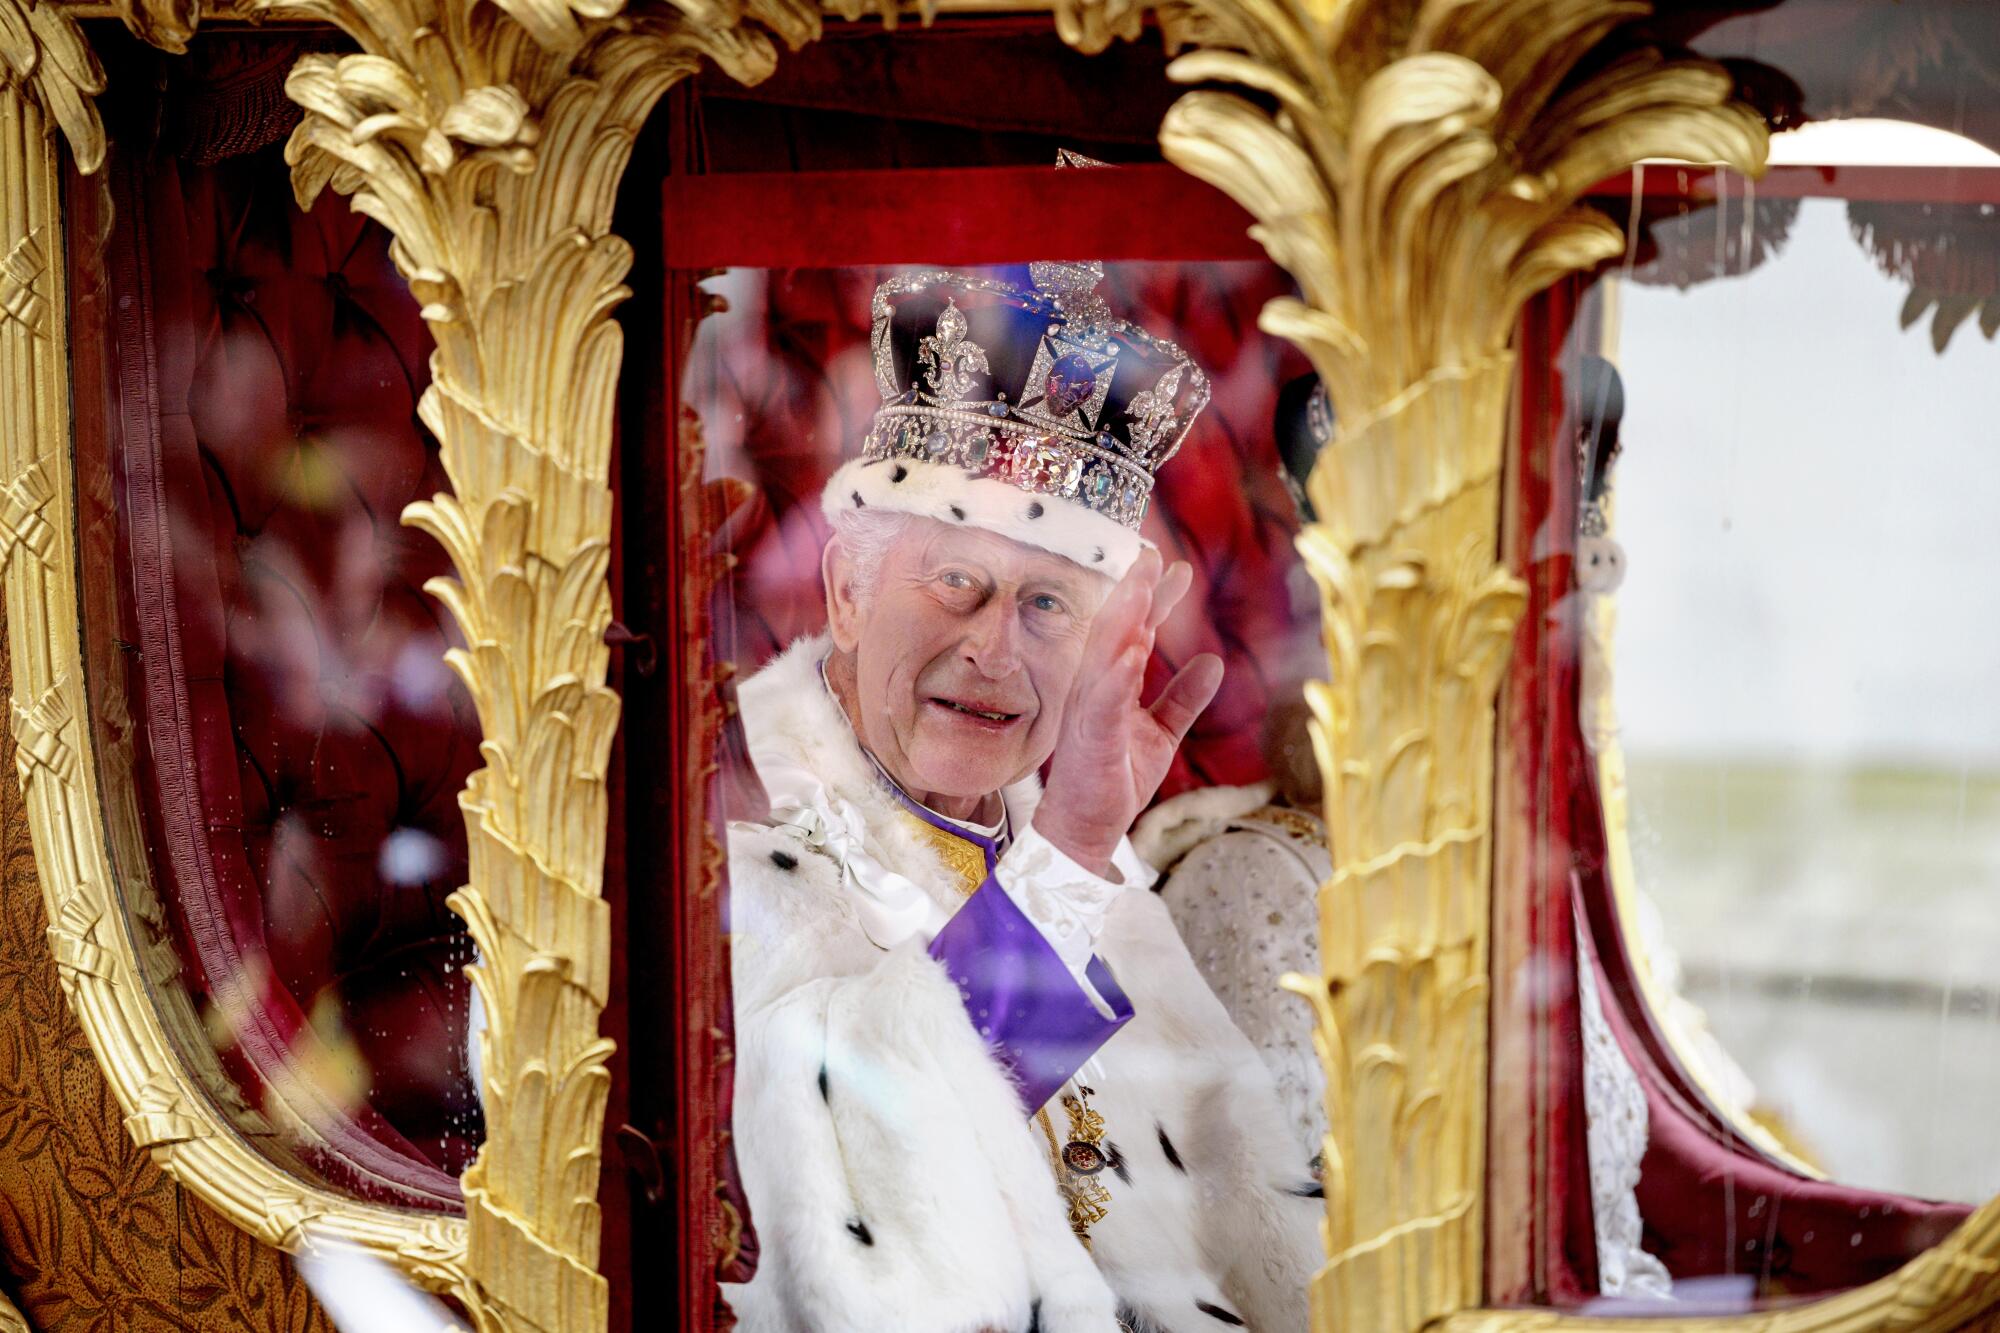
(45, 62)
(45, 83)
(1419, 178)
(490, 140)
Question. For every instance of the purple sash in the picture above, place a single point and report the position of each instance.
(1017, 992)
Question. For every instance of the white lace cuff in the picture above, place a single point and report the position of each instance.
(1065, 902)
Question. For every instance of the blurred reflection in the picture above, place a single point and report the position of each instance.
(1803, 667)
(361, 1294)
(287, 781)
(1241, 866)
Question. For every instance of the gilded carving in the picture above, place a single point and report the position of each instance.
(43, 52)
(38, 735)
(1419, 178)
(21, 521)
(490, 141)
(72, 941)
(91, 957)
(162, 1117)
(167, 24)
(92, 1233)
(20, 275)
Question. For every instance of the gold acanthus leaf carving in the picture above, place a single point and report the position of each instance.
(167, 24)
(44, 53)
(1420, 192)
(1416, 165)
(489, 139)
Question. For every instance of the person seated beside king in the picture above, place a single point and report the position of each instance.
(981, 1083)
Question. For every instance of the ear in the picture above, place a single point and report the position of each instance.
(843, 608)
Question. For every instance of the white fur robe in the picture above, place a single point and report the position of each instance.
(893, 1178)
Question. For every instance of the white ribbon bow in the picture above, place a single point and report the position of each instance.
(891, 907)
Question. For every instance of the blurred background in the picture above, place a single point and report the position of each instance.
(1807, 665)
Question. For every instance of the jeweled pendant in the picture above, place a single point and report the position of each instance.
(1086, 1159)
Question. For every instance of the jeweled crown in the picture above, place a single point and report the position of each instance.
(1036, 384)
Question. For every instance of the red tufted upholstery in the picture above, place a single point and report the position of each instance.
(782, 385)
(307, 740)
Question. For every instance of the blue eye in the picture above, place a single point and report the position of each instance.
(954, 579)
(1047, 603)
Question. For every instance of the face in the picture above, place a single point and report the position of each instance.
(963, 655)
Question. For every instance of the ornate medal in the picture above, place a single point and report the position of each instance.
(1079, 1162)
(1086, 1159)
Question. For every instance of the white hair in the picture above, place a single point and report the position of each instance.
(865, 536)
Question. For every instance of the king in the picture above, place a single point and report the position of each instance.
(980, 1083)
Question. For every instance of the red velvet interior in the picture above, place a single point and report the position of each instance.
(306, 741)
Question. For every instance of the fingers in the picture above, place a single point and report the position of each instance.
(1123, 613)
(1181, 702)
(1115, 691)
(1104, 702)
(1106, 691)
(1167, 593)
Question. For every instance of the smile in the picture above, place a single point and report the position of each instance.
(982, 714)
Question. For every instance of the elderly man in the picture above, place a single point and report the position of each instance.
(980, 1082)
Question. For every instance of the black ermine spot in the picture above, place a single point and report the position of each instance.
(1035, 509)
(1217, 1312)
(1167, 1147)
(958, 513)
(858, 502)
(784, 860)
(859, 1230)
(900, 473)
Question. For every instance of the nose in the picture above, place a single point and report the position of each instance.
(993, 639)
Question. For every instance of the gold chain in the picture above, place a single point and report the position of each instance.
(1079, 1162)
